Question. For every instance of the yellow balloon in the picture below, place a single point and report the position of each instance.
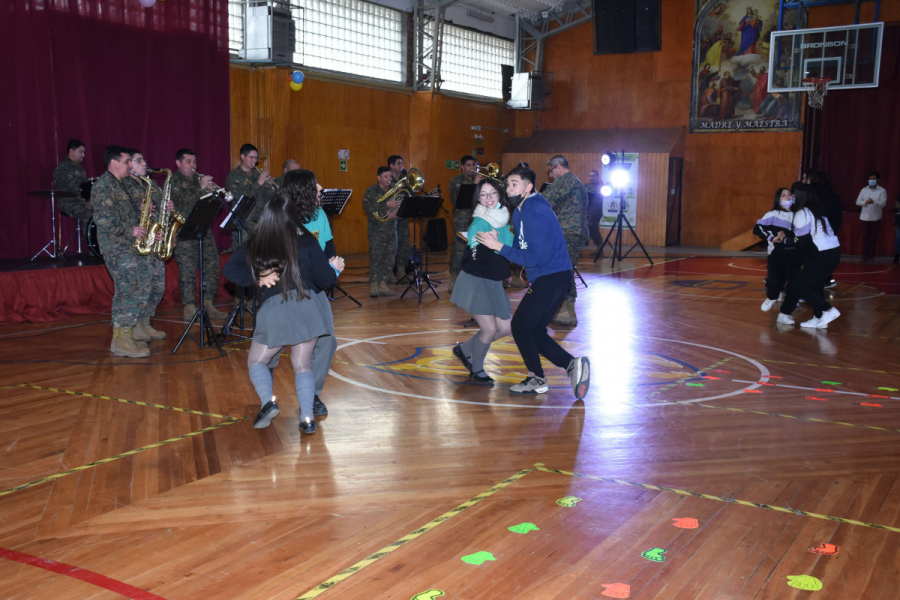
(296, 86)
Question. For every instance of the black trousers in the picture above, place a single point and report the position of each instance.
(529, 323)
(816, 272)
(781, 270)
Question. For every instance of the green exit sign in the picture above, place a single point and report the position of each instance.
(453, 164)
(343, 164)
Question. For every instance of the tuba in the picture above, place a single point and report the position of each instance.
(168, 224)
(413, 182)
(144, 245)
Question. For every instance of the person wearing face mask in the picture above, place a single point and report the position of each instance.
(783, 261)
(479, 285)
(872, 199)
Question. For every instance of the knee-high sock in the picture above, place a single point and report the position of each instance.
(479, 352)
(469, 345)
(305, 382)
(262, 381)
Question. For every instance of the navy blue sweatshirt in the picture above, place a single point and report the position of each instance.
(539, 243)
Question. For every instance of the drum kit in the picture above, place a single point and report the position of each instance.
(52, 247)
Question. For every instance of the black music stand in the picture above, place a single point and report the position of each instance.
(465, 198)
(420, 209)
(236, 221)
(333, 203)
(195, 228)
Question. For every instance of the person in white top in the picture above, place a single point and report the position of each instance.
(872, 199)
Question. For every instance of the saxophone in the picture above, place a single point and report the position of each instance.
(169, 221)
(144, 245)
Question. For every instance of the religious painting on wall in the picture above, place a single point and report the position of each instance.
(731, 60)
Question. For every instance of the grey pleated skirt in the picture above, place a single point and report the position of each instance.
(291, 322)
(478, 296)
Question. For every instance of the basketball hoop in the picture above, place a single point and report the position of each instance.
(816, 89)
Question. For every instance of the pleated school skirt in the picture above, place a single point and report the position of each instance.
(292, 322)
(479, 296)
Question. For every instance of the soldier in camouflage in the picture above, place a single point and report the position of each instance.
(187, 188)
(595, 208)
(244, 181)
(461, 218)
(382, 235)
(117, 223)
(395, 163)
(68, 176)
(568, 197)
(288, 165)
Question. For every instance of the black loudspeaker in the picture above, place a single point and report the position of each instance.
(506, 74)
(625, 26)
(436, 234)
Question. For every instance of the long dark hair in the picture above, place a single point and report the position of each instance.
(504, 200)
(273, 244)
(300, 185)
(805, 196)
(776, 204)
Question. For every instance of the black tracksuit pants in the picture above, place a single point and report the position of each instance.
(529, 323)
(816, 272)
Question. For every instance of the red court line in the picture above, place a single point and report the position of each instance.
(79, 573)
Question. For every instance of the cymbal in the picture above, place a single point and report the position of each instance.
(56, 193)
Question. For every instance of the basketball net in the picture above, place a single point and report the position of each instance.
(816, 89)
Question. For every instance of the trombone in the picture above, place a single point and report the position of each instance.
(492, 171)
(413, 182)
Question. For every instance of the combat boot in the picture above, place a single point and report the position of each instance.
(373, 293)
(452, 284)
(123, 344)
(392, 280)
(566, 314)
(189, 311)
(213, 312)
(384, 290)
(144, 332)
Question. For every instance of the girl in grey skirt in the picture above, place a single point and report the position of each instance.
(284, 259)
(479, 286)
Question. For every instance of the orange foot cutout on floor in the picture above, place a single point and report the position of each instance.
(616, 590)
(685, 523)
(826, 549)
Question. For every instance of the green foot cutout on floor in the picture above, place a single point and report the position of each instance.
(889, 389)
(428, 595)
(695, 384)
(832, 383)
(524, 528)
(568, 501)
(478, 558)
(654, 554)
(804, 582)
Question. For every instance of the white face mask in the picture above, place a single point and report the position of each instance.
(873, 182)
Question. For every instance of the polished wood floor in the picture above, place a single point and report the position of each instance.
(713, 450)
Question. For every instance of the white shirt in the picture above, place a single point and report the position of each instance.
(872, 212)
(804, 223)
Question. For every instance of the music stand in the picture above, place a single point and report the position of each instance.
(333, 203)
(236, 221)
(465, 198)
(195, 228)
(420, 208)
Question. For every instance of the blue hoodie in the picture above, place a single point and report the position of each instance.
(539, 245)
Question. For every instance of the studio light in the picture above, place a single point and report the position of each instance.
(619, 178)
(606, 191)
(608, 158)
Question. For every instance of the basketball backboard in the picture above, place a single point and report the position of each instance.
(849, 55)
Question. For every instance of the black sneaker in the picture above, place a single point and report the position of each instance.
(458, 353)
(832, 283)
(319, 408)
(579, 372)
(480, 377)
(266, 414)
(308, 426)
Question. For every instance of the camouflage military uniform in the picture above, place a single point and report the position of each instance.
(461, 220)
(185, 194)
(595, 213)
(402, 258)
(68, 176)
(241, 183)
(116, 218)
(568, 197)
(382, 237)
(152, 271)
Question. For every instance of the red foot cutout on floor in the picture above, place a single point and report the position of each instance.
(825, 549)
(817, 399)
(709, 377)
(764, 383)
(869, 404)
(752, 392)
(827, 391)
(877, 396)
(685, 523)
(616, 590)
(719, 371)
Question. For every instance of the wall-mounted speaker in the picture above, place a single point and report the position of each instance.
(625, 26)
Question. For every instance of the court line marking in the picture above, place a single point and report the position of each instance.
(122, 400)
(684, 378)
(336, 579)
(102, 461)
(648, 486)
(797, 387)
(632, 282)
(102, 581)
(784, 362)
(35, 332)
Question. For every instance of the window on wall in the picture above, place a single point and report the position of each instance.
(347, 36)
(471, 61)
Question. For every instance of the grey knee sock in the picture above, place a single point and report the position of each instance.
(468, 345)
(305, 382)
(479, 352)
(262, 381)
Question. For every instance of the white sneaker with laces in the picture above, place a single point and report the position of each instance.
(827, 317)
(768, 304)
(811, 324)
(784, 319)
(532, 385)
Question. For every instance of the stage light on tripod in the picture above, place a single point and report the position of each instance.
(606, 191)
(619, 178)
(608, 158)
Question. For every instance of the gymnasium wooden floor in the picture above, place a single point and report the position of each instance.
(711, 453)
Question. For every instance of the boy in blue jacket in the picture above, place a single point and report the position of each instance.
(540, 247)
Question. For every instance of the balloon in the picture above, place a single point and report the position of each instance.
(297, 77)
(147, 3)
(296, 86)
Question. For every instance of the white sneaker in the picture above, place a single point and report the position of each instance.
(827, 317)
(811, 324)
(781, 297)
(767, 305)
(784, 319)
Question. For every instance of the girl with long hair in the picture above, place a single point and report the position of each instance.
(783, 261)
(479, 285)
(290, 268)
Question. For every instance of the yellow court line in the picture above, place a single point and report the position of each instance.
(137, 402)
(117, 457)
(648, 486)
(326, 585)
(684, 378)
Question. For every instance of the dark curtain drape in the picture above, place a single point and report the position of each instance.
(861, 130)
(105, 72)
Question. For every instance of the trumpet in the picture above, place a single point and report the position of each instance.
(216, 189)
(269, 182)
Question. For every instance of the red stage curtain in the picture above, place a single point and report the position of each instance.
(105, 72)
(861, 132)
